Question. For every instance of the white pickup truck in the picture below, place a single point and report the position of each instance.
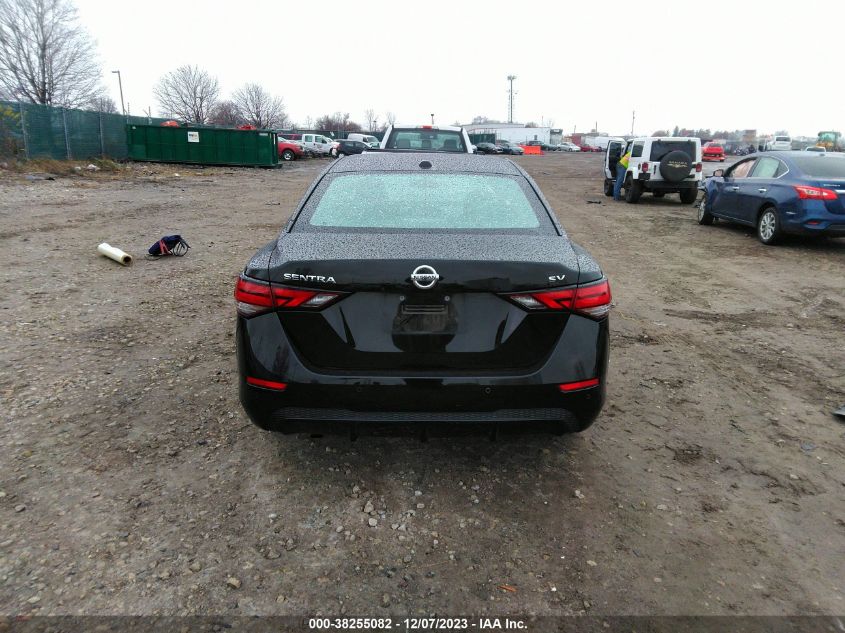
(316, 144)
(779, 143)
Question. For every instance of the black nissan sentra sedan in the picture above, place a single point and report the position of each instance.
(430, 291)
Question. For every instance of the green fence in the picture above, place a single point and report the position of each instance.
(29, 130)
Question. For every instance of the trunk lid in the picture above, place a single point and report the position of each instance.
(387, 323)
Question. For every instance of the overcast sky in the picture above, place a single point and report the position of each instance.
(713, 64)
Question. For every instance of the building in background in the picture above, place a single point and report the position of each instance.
(513, 132)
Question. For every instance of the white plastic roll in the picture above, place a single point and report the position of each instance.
(114, 253)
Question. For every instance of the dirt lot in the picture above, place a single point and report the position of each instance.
(132, 483)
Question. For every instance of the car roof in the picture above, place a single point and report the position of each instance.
(666, 138)
(410, 161)
(451, 128)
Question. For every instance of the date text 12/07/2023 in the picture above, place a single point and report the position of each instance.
(417, 624)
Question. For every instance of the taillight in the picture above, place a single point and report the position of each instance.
(552, 299)
(592, 300)
(814, 193)
(643, 166)
(698, 168)
(254, 297)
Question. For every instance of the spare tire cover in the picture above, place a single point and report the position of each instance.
(675, 166)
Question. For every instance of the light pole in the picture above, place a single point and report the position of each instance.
(120, 83)
(510, 98)
(432, 118)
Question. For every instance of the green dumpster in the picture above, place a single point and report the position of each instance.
(202, 145)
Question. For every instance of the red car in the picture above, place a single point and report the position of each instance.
(289, 150)
(713, 151)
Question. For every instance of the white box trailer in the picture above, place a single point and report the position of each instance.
(598, 141)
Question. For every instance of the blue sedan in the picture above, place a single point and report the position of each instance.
(778, 193)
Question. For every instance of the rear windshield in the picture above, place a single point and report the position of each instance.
(426, 202)
(782, 138)
(416, 139)
(659, 149)
(821, 165)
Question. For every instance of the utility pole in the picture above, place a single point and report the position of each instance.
(120, 83)
(510, 98)
(633, 118)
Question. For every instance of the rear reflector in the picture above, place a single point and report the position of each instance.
(581, 384)
(267, 384)
(254, 297)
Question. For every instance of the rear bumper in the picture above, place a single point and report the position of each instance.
(669, 187)
(339, 402)
(813, 218)
(276, 411)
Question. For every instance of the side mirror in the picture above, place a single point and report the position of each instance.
(719, 173)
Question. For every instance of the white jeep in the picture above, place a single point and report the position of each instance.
(660, 165)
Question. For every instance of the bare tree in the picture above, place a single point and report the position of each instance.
(187, 93)
(45, 56)
(391, 118)
(226, 113)
(102, 103)
(371, 119)
(337, 122)
(259, 108)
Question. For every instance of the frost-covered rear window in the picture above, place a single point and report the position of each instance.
(426, 139)
(426, 202)
(821, 165)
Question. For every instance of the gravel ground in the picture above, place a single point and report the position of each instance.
(132, 483)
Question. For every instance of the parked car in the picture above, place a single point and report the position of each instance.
(778, 193)
(815, 148)
(345, 147)
(659, 165)
(317, 144)
(570, 147)
(367, 139)
(488, 148)
(427, 138)
(713, 151)
(510, 148)
(779, 144)
(589, 148)
(459, 276)
(543, 146)
(289, 150)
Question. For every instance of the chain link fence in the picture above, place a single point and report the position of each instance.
(29, 130)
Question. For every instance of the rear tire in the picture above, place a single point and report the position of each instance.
(634, 191)
(688, 196)
(608, 188)
(288, 155)
(704, 216)
(768, 226)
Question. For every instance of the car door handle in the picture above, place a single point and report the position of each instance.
(734, 188)
(762, 190)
